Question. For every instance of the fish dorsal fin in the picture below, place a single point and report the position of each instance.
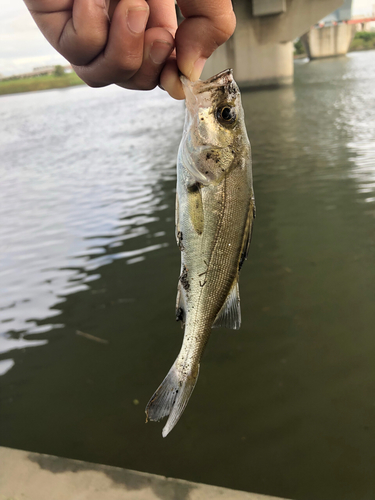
(247, 234)
(230, 314)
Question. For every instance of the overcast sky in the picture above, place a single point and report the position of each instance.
(23, 47)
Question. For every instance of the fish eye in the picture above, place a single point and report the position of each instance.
(226, 115)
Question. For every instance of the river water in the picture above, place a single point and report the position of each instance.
(284, 406)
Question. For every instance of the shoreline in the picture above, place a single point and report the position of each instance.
(36, 83)
(50, 82)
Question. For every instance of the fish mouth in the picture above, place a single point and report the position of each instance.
(222, 79)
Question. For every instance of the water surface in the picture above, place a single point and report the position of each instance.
(286, 405)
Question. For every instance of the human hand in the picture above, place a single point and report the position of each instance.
(131, 42)
(207, 25)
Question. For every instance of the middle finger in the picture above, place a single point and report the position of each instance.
(123, 54)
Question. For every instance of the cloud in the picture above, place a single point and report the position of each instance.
(22, 45)
(363, 7)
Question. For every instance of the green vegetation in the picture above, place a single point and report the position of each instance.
(59, 70)
(363, 40)
(45, 82)
(299, 48)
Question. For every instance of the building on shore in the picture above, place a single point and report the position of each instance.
(40, 71)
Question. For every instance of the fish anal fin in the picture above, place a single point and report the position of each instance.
(229, 315)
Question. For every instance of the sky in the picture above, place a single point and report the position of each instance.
(23, 47)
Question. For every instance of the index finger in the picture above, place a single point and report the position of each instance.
(207, 25)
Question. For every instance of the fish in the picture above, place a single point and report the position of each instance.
(215, 209)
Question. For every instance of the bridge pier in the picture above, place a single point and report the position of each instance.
(254, 65)
(261, 49)
(328, 41)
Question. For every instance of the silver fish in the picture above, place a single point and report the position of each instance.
(214, 215)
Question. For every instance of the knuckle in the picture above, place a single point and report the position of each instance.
(80, 48)
(146, 85)
(77, 59)
(89, 80)
(93, 84)
(130, 64)
(93, 41)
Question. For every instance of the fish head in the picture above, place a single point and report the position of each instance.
(215, 133)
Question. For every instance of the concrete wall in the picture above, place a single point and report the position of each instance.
(328, 41)
(33, 476)
(261, 50)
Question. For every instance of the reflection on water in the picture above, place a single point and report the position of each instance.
(285, 406)
(76, 183)
(359, 118)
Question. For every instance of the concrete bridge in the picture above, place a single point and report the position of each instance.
(333, 35)
(261, 50)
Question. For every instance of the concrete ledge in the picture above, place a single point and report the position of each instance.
(33, 476)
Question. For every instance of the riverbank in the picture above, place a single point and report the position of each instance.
(44, 82)
(363, 40)
(35, 476)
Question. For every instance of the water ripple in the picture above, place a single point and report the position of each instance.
(80, 179)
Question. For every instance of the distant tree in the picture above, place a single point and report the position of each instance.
(59, 70)
(365, 35)
(298, 47)
(363, 40)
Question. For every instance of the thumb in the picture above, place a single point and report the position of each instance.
(207, 25)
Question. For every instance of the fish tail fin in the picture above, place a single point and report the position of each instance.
(171, 397)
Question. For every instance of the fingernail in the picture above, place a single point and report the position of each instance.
(160, 50)
(197, 69)
(137, 19)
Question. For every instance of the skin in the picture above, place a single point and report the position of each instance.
(133, 43)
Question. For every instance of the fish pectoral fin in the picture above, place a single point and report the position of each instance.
(229, 315)
(195, 207)
(247, 234)
(180, 304)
